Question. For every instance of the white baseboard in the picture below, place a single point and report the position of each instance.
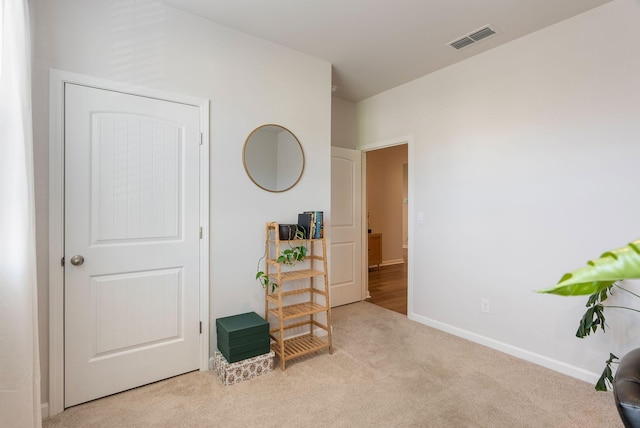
(523, 354)
(44, 408)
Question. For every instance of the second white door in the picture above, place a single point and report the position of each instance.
(131, 241)
(346, 254)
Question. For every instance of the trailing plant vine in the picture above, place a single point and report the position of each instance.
(289, 256)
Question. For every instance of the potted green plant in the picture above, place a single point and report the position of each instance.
(598, 280)
(289, 256)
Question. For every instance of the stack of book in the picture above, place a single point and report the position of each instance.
(311, 222)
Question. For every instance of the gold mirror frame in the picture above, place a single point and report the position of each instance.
(273, 158)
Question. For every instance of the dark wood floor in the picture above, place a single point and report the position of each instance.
(388, 287)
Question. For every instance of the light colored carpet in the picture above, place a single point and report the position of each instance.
(386, 371)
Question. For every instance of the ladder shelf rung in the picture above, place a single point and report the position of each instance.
(298, 310)
(301, 345)
(273, 297)
(295, 274)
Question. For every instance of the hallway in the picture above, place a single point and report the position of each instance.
(388, 287)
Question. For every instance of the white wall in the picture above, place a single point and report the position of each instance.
(343, 123)
(249, 81)
(525, 166)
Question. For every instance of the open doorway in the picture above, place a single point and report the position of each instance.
(387, 226)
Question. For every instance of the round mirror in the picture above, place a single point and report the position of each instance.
(273, 158)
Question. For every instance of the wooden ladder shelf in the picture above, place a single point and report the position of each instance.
(300, 300)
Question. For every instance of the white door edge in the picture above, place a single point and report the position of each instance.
(57, 80)
(364, 235)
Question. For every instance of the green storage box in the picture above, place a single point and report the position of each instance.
(248, 350)
(242, 336)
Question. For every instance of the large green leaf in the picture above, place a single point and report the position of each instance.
(612, 266)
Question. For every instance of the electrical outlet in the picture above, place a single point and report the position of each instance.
(484, 306)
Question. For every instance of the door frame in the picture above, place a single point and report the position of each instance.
(57, 81)
(409, 141)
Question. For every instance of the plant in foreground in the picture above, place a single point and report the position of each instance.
(598, 280)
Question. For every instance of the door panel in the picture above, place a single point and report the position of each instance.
(136, 178)
(132, 212)
(148, 300)
(346, 227)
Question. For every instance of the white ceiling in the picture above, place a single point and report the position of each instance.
(375, 45)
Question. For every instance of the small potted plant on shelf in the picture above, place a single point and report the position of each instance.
(289, 256)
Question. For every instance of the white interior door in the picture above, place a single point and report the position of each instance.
(345, 262)
(132, 212)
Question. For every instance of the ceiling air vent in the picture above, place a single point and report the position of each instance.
(473, 37)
